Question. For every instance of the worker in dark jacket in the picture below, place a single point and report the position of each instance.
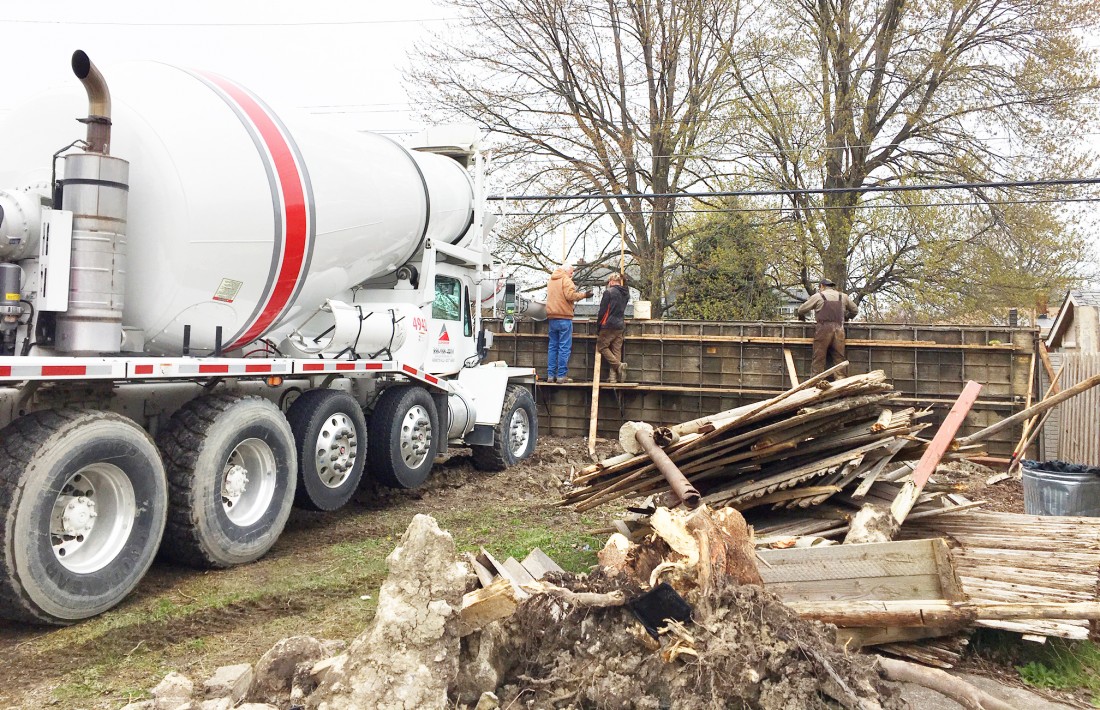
(831, 309)
(610, 324)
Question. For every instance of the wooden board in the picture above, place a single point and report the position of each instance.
(538, 563)
(895, 588)
(791, 371)
(857, 637)
(516, 572)
(910, 569)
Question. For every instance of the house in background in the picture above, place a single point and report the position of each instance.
(1070, 432)
(1077, 326)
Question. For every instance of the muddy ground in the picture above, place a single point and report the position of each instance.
(321, 578)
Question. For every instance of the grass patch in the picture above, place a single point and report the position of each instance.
(514, 532)
(1058, 664)
(1065, 665)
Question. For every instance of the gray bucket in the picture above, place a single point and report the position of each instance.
(1060, 492)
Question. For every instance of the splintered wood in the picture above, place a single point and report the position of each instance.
(794, 451)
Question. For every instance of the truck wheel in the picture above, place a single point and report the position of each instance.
(401, 445)
(232, 475)
(331, 436)
(514, 437)
(83, 500)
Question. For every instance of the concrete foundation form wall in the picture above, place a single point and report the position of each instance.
(686, 369)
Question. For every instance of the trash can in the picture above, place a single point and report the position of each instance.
(1059, 488)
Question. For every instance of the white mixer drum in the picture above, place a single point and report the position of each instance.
(241, 216)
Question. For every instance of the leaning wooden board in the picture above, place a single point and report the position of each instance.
(881, 571)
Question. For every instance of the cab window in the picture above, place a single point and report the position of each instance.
(448, 299)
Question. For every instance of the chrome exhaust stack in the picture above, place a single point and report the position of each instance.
(95, 190)
(99, 103)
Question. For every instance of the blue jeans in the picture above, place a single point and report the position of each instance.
(561, 345)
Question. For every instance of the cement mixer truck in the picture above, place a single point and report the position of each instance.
(212, 310)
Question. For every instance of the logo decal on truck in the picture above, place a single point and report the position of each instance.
(443, 350)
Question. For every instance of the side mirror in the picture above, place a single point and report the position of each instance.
(509, 297)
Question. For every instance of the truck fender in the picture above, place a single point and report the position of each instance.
(486, 386)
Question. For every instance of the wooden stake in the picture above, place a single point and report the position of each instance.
(791, 372)
(1044, 355)
(1028, 402)
(595, 411)
(1030, 411)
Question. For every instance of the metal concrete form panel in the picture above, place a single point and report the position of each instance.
(686, 369)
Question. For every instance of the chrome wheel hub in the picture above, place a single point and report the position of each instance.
(416, 436)
(337, 447)
(248, 482)
(92, 517)
(519, 432)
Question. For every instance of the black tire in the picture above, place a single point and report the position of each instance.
(514, 437)
(65, 561)
(232, 473)
(401, 444)
(330, 434)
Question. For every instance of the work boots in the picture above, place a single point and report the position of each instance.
(613, 377)
(622, 372)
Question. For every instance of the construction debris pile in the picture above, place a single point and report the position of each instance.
(684, 617)
(817, 442)
(830, 461)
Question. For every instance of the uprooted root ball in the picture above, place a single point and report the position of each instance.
(744, 650)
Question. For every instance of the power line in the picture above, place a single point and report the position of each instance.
(837, 207)
(332, 23)
(798, 191)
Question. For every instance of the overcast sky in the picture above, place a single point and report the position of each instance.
(327, 56)
(339, 57)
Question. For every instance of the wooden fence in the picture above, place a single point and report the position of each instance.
(1079, 423)
(685, 369)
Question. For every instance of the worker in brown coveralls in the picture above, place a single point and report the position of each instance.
(831, 308)
(610, 324)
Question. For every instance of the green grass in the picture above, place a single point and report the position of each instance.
(1058, 664)
(122, 654)
(1065, 665)
(514, 532)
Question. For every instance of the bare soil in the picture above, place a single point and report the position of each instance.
(969, 479)
(322, 579)
(313, 581)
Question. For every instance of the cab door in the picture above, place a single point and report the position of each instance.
(451, 328)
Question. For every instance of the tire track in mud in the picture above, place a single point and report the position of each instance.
(28, 673)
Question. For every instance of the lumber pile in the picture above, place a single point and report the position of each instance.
(816, 442)
(1012, 558)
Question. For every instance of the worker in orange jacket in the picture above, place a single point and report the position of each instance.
(561, 294)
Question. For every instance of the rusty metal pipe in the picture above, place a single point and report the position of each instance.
(99, 103)
(676, 479)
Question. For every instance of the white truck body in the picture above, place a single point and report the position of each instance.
(202, 314)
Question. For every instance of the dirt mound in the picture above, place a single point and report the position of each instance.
(743, 649)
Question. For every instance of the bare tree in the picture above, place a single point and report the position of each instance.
(851, 94)
(610, 97)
